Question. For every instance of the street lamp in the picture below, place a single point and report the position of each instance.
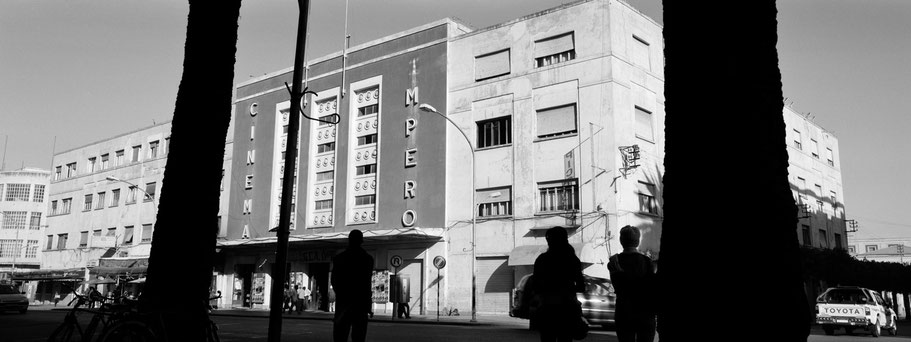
(115, 179)
(474, 312)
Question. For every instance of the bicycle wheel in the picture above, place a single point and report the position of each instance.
(128, 331)
(66, 332)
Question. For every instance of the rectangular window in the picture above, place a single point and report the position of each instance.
(494, 202)
(495, 132)
(852, 249)
(368, 110)
(557, 121)
(167, 145)
(324, 204)
(823, 239)
(57, 172)
(814, 148)
(366, 139)
(146, 233)
(153, 149)
(70, 170)
(83, 239)
(558, 196)
(53, 207)
(327, 147)
(38, 195)
(88, 202)
(365, 200)
(805, 232)
(830, 158)
(647, 202)
(90, 166)
(150, 192)
(366, 169)
(96, 232)
(99, 201)
(644, 126)
(323, 176)
(640, 53)
(554, 50)
(325, 120)
(491, 65)
(50, 243)
(136, 151)
(797, 140)
(111, 232)
(10, 248)
(61, 241)
(128, 235)
(31, 249)
(14, 219)
(131, 195)
(118, 158)
(17, 192)
(104, 161)
(870, 248)
(34, 222)
(115, 197)
(66, 205)
(1, 192)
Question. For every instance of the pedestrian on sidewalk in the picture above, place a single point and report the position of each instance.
(301, 299)
(286, 296)
(331, 299)
(352, 274)
(295, 299)
(557, 278)
(633, 277)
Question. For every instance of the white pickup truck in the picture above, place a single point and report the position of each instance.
(854, 307)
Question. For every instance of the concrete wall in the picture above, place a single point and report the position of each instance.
(34, 178)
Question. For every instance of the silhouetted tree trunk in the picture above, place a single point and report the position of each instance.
(183, 245)
(730, 266)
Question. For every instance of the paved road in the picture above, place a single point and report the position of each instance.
(37, 325)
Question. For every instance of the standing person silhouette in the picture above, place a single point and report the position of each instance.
(633, 276)
(352, 274)
(557, 278)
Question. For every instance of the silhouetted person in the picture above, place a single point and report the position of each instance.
(352, 273)
(633, 276)
(557, 278)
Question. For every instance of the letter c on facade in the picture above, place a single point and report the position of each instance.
(253, 109)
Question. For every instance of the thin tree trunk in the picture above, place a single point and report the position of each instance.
(183, 245)
(730, 266)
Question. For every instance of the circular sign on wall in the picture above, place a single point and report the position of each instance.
(396, 261)
(439, 262)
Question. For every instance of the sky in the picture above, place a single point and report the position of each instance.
(75, 72)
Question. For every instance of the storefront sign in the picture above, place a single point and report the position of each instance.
(321, 255)
(381, 286)
(259, 288)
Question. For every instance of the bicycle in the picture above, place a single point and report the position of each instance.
(72, 330)
(137, 326)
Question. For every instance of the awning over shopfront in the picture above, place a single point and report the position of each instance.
(403, 234)
(114, 267)
(72, 274)
(526, 255)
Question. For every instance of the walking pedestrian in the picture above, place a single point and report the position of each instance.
(352, 279)
(331, 299)
(633, 277)
(286, 296)
(295, 299)
(301, 299)
(557, 278)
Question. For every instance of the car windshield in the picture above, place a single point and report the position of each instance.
(7, 289)
(843, 296)
(598, 286)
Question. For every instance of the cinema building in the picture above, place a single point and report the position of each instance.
(532, 96)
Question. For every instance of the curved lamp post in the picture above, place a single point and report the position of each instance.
(115, 179)
(474, 312)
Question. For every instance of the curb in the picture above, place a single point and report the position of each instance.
(321, 317)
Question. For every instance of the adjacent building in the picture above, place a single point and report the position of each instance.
(23, 213)
(814, 171)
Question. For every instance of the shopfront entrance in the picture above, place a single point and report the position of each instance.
(243, 284)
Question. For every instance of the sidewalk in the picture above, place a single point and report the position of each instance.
(327, 316)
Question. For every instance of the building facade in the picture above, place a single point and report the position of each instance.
(102, 208)
(814, 171)
(23, 213)
(380, 169)
(565, 109)
(564, 119)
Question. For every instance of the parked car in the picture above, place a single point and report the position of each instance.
(852, 307)
(598, 301)
(12, 300)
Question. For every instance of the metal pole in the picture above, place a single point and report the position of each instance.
(284, 222)
(591, 137)
(438, 294)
